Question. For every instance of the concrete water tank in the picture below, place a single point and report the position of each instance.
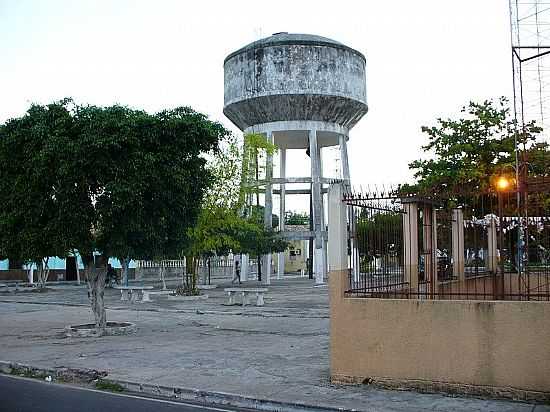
(295, 77)
(302, 92)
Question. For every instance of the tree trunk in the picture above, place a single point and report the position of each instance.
(196, 262)
(259, 268)
(77, 268)
(184, 271)
(125, 264)
(43, 272)
(96, 273)
(77, 274)
(30, 273)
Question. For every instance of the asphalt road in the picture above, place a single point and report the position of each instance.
(25, 395)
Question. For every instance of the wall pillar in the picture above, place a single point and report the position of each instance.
(410, 243)
(268, 208)
(282, 210)
(319, 268)
(337, 230)
(429, 247)
(345, 175)
(457, 234)
(435, 283)
(492, 256)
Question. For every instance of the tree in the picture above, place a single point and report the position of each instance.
(469, 151)
(31, 226)
(296, 218)
(126, 183)
(380, 234)
(222, 226)
(256, 240)
(256, 150)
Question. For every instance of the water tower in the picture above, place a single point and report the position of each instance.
(302, 92)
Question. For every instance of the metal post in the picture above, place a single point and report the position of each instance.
(435, 285)
(496, 293)
(410, 241)
(430, 272)
(492, 265)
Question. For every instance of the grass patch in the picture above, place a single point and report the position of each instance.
(29, 373)
(107, 385)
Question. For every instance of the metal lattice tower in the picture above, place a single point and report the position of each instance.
(530, 42)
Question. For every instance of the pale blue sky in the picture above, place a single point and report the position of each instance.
(425, 59)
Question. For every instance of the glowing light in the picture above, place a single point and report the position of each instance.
(503, 183)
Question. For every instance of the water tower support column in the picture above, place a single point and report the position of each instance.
(347, 184)
(282, 175)
(344, 159)
(268, 209)
(318, 259)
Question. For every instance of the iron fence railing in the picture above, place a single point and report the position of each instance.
(515, 267)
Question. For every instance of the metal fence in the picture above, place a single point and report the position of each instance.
(416, 248)
(376, 241)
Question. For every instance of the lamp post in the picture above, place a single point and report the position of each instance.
(502, 184)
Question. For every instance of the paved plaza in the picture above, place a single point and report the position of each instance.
(277, 352)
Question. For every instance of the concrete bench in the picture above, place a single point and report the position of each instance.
(244, 293)
(134, 292)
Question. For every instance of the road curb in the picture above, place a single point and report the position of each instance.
(87, 376)
(164, 310)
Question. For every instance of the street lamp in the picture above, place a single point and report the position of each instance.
(503, 184)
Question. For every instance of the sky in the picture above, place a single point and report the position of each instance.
(425, 59)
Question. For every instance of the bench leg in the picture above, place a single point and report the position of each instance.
(259, 299)
(146, 297)
(123, 295)
(134, 296)
(244, 299)
(231, 300)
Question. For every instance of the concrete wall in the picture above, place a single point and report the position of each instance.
(13, 274)
(296, 262)
(480, 347)
(509, 284)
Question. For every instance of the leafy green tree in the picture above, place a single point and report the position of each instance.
(256, 240)
(125, 183)
(468, 152)
(225, 167)
(31, 227)
(222, 227)
(296, 218)
(379, 234)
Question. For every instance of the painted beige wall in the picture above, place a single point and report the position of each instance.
(485, 343)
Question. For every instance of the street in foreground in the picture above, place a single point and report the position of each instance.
(47, 397)
(277, 352)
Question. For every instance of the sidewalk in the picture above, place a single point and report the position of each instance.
(278, 352)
